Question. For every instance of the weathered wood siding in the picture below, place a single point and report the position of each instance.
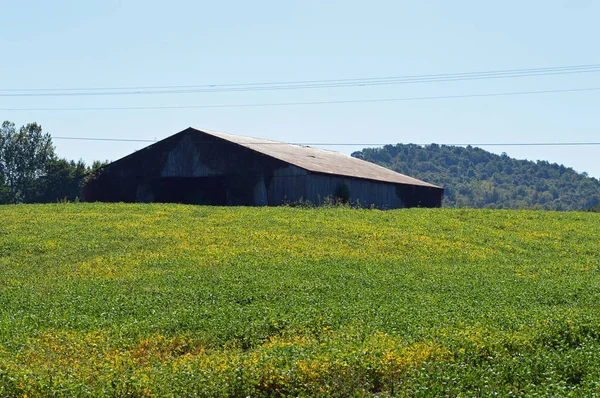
(241, 175)
(293, 184)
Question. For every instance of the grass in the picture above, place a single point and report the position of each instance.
(159, 300)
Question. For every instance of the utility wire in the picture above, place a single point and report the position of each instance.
(339, 143)
(405, 99)
(444, 75)
(296, 85)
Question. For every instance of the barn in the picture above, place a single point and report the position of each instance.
(207, 167)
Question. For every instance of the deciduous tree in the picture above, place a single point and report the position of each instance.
(24, 156)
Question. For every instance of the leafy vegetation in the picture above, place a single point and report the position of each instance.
(30, 171)
(155, 300)
(476, 178)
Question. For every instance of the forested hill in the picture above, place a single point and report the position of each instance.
(473, 177)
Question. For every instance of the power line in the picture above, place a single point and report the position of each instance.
(406, 99)
(340, 143)
(102, 139)
(444, 75)
(524, 144)
(304, 81)
(295, 85)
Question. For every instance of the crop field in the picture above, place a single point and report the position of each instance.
(173, 300)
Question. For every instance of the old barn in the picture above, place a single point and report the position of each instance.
(207, 167)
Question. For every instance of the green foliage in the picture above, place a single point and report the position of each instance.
(476, 178)
(24, 156)
(62, 181)
(30, 171)
(4, 190)
(173, 300)
(595, 209)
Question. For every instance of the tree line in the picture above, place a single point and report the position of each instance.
(473, 177)
(30, 170)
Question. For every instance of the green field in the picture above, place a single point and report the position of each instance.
(158, 300)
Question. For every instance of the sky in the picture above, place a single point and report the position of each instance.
(129, 43)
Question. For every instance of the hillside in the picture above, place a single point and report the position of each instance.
(473, 177)
(173, 300)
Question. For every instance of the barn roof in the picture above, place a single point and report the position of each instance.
(318, 160)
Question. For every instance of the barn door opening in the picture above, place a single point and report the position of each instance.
(191, 190)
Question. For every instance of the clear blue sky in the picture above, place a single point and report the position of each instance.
(111, 43)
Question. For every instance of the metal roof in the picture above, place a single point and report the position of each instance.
(319, 160)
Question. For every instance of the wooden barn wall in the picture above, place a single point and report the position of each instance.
(286, 185)
(250, 177)
(364, 193)
(188, 155)
(293, 184)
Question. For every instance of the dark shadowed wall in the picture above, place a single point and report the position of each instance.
(197, 168)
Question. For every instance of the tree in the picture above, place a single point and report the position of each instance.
(4, 190)
(62, 181)
(30, 171)
(477, 178)
(24, 158)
